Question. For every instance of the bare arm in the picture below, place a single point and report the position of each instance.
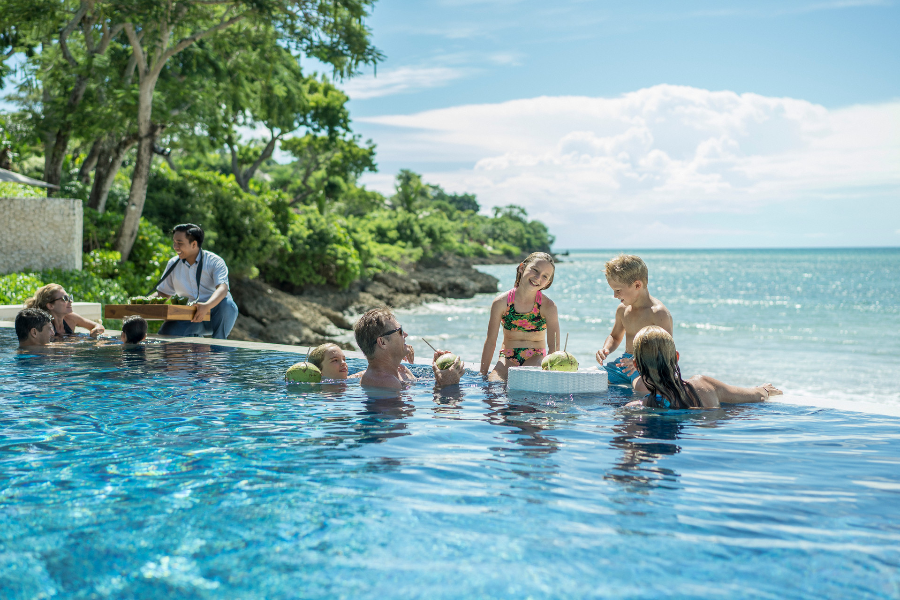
(551, 314)
(732, 394)
(615, 337)
(204, 307)
(77, 320)
(490, 343)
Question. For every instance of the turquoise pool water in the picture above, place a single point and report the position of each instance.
(185, 471)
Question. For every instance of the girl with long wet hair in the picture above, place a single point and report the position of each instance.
(656, 360)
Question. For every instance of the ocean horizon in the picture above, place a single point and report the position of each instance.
(818, 323)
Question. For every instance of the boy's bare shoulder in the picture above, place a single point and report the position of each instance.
(661, 314)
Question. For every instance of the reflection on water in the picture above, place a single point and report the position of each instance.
(181, 471)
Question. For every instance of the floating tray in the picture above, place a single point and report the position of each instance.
(152, 312)
(534, 379)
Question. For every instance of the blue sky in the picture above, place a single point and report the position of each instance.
(659, 124)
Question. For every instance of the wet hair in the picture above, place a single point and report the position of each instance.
(317, 356)
(656, 361)
(194, 233)
(43, 296)
(530, 260)
(135, 329)
(627, 268)
(370, 327)
(31, 318)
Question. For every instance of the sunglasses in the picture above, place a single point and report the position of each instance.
(64, 297)
(392, 331)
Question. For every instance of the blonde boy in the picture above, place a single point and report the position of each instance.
(627, 276)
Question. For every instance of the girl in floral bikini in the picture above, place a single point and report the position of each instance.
(528, 318)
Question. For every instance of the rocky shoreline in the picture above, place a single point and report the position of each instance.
(315, 315)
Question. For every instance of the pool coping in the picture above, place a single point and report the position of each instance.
(227, 343)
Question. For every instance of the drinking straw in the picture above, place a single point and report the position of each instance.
(567, 343)
(429, 345)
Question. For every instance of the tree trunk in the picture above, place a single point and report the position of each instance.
(108, 164)
(53, 166)
(90, 161)
(138, 194)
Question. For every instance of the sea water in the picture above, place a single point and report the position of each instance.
(822, 325)
(194, 471)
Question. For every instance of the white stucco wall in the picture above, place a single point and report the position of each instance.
(40, 233)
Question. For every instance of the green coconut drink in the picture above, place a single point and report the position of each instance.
(445, 361)
(559, 361)
(303, 372)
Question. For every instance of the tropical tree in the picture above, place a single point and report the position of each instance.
(330, 30)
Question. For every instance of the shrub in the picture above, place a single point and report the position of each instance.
(319, 250)
(239, 226)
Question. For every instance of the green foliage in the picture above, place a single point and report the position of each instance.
(319, 250)
(16, 288)
(239, 226)
(15, 190)
(152, 250)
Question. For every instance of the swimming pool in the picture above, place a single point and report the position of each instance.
(191, 471)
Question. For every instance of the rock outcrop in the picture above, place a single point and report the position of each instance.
(315, 315)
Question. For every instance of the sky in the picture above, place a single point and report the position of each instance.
(647, 124)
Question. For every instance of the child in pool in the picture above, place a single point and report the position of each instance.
(627, 276)
(657, 361)
(134, 330)
(330, 360)
(528, 318)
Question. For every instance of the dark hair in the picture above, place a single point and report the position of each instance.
(31, 318)
(193, 232)
(657, 361)
(135, 329)
(533, 258)
(369, 328)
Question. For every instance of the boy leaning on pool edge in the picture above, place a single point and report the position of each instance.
(627, 275)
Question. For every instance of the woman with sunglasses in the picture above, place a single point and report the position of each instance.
(54, 299)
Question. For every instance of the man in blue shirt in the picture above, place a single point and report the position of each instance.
(201, 276)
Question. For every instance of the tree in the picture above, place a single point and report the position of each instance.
(411, 192)
(72, 38)
(326, 167)
(330, 30)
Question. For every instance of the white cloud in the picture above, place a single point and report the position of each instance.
(666, 148)
(400, 80)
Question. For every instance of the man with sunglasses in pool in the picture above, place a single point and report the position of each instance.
(383, 341)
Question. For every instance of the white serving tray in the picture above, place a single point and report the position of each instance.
(534, 379)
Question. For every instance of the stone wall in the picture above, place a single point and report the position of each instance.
(40, 233)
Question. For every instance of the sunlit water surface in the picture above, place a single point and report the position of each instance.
(821, 324)
(184, 471)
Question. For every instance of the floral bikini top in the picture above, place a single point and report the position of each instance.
(530, 321)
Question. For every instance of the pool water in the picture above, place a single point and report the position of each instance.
(190, 471)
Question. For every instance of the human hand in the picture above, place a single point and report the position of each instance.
(97, 331)
(627, 366)
(602, 353)
(202, 309)
(449, 376)
(410, 354)
(771, 390)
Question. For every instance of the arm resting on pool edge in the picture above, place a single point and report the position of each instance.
(732, 394)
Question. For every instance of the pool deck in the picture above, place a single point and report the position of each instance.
(113, 333)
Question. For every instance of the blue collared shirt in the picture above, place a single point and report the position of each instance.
(183, 280)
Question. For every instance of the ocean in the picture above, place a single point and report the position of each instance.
(820, 324)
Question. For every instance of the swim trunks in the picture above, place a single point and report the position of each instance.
(518, 356)
(530, 321)
(617, 376)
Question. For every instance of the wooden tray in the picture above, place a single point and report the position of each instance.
(152, 312)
